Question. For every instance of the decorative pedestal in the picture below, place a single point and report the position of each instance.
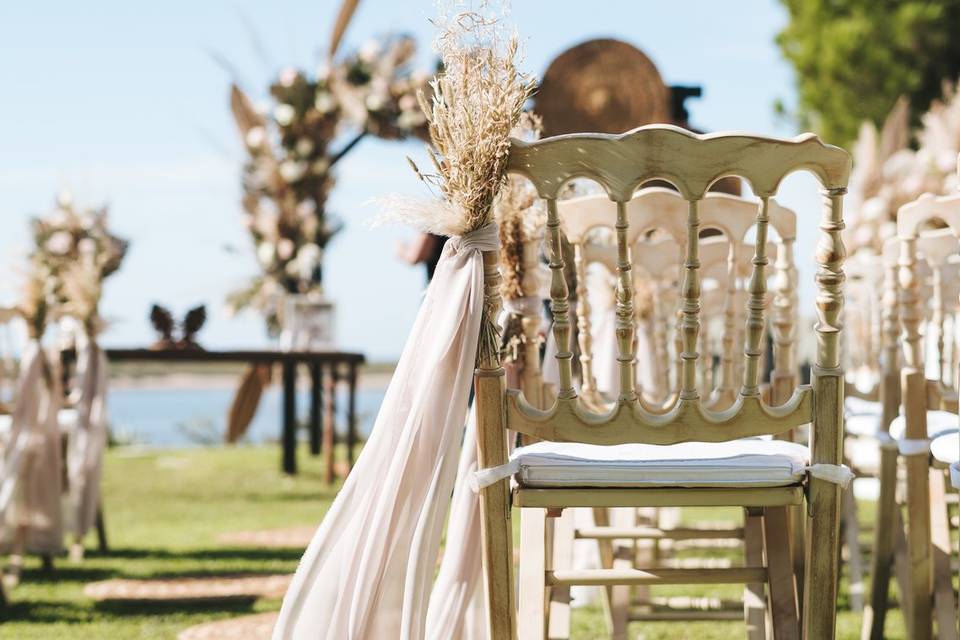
(308, 324)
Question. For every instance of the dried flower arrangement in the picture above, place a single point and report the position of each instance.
(74, 251)
(887, 173)
(477, 101)
(288, 174)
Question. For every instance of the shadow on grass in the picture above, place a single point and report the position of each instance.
(237, 605)
(44, 611)
(68, 573)
(220, 553)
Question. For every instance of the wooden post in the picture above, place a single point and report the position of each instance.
(495, 519)
(316, 401)
(351, 414)
(289, 417)
(826, 436)
(330, 423)
(914, 389)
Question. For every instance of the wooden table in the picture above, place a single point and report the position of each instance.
(339, 366)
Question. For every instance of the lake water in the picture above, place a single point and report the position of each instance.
(190, 417)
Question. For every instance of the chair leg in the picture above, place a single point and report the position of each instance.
(780, 579)
(601, 518)
(851, 528)
(920, 549)
(754, 600)
(798, 521)
(883, 538)
(101, 531)
(559, 613)
(945, 610)
(495, 511)
(532, 617)
(901, 564)
(820, 578)
(620, 596)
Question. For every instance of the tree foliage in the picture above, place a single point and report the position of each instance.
(854, 58)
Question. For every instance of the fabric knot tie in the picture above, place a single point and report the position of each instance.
(486, 238)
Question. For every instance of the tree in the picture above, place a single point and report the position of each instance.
(854, 58)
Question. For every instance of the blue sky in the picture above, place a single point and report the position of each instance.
(122, 102)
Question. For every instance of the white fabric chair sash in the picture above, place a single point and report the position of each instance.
(368, 570)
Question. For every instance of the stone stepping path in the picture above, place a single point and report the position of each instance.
(189, 590)
(288, 538)
(258, 626)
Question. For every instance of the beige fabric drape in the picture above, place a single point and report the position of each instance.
(31, 480)
(368, 570)
(88, 438)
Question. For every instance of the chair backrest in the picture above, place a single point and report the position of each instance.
(862, 321)
(937, 250)
(691, 163)
(661, 260)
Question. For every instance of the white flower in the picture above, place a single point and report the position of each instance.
(292, 170)
(285, 248)
(64, 199)
(87, 246)
(306, 209)
(375, 101)
(323, 71)
(304, 146)
(266, 253)
(287, 77)
(59, 242)
(256, 137)
(320, 167)
(284, 114)
(59, 218)
(324, 102)
(369, 51)
(308, 257)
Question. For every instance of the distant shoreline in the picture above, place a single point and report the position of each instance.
(367, 380)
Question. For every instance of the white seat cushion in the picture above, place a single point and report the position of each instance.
(937, 422)
(859, 406)
(946, 448)
(741, 463)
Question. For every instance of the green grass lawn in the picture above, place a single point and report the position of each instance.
(165, 510)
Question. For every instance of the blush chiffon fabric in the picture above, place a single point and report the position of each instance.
(368, 571)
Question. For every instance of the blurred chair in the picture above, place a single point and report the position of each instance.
(929, 408)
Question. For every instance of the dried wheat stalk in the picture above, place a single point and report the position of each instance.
(476, 103)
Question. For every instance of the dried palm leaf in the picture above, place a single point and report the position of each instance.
(347, 9)
(244, 112)
(246, 400)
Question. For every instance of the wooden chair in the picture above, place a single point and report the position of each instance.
(928, 583)
(691, 163)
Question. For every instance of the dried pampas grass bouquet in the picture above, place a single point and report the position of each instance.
(476, 102)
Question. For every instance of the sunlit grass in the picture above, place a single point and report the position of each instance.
(165, 510)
